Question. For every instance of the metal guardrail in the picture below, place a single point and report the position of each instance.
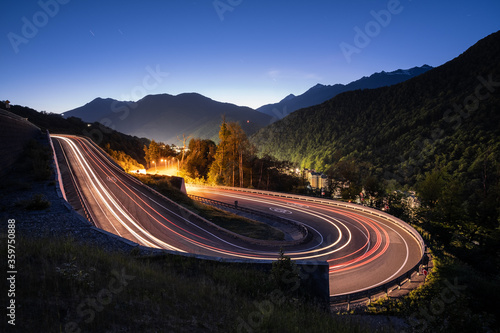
(302, 228)
(385, 287)
(352, 206)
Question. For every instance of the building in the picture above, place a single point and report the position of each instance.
(317, 180)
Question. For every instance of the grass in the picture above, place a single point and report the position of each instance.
(232, 222)
(40, 157)
(37, 202)
(454, 297)
(238, 224)
(63, 286)
(32, 166)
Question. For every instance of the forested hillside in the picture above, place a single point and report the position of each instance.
(448, 116)
(103, 136)
(437, 134)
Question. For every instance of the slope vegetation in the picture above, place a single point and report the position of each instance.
(448, 115)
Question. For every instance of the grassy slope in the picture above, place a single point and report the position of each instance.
(63, 287)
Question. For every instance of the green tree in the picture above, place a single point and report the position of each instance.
(147, 156)
(218, 167)
(239, 147)
(154, 151)
(431, 187)
(199, 158)
(231, 156)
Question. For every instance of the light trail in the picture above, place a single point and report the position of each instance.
(371, 254)
(110, 203)
(349, 241)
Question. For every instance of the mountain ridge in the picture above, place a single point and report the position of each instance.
(397, 130)
(321, 93)
(164, 117)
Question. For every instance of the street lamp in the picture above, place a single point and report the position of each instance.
(177, 165)
(155, 166)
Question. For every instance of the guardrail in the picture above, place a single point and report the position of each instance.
(383, 288)
(352, 206)
(364, 293)
(299, 226)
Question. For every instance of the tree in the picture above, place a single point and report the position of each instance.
(430, 188)
(373, 188)
(218, 166)
(154, 151)
(231, 155)
(183, 140)
(239, 147)
(199, 158)
(147, 156)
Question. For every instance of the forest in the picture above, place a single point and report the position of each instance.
(437, 136)
(231, 162)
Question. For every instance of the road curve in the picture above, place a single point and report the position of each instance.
(362, 249)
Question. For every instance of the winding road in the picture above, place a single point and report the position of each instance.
(364, 249)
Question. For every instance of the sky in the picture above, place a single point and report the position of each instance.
(56, 55)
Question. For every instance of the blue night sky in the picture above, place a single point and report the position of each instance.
(56, 55)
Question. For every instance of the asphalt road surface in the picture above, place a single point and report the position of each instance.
(363, 250)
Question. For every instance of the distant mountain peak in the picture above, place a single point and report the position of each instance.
(165, 117)
(321, 93)
(289, 97)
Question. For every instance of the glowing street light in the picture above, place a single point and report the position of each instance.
(177, 165)
(155, 165)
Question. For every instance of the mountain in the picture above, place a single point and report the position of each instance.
(321, 93)
(101, 135)
(446, 117)
(165, 117)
